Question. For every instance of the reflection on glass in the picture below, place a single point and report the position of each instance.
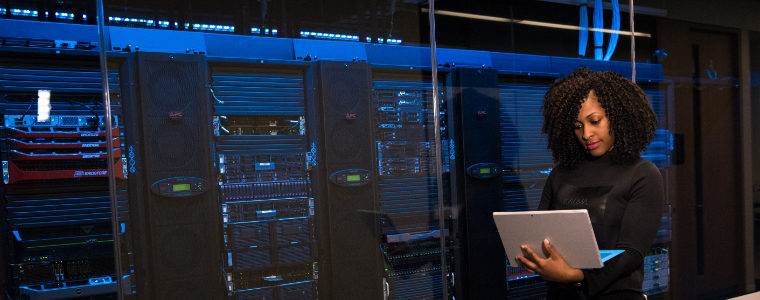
(297, 195)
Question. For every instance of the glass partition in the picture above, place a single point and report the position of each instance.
(277, 149)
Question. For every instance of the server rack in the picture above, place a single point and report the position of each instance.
(265, 187)
(56, 204)
(407, 194)
(526, 162)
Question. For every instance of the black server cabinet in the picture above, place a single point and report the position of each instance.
(474, 126)
(340, 121)
(174, 213)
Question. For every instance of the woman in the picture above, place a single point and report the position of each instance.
(597, 124)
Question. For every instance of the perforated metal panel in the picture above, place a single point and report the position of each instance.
(273, 93)
(525, 158)
(67, 80)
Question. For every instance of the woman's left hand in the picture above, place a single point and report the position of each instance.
(553, 268)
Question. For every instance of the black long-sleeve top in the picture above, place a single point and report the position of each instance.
(625, 204)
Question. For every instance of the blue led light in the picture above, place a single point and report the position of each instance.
(187, 25)
(255, 30)
(369, 40)
(164, 24)
(380, 40)
(211, 27)
(84, 17)
(266, 30)
(63, 15)
(274, 31)
(2, 11)
(24, 12)
(145, 22)
(326, 35)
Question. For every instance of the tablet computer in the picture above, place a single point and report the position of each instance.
(570, 232)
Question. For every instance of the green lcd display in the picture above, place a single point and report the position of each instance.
(180, 187)
(352, 178)
(485, 170)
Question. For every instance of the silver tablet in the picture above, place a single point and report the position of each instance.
(569, 231)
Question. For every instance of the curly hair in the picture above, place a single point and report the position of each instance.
(631, 117)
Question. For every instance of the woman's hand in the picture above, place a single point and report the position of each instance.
(553, 268)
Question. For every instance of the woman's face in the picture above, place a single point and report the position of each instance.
(592, 127)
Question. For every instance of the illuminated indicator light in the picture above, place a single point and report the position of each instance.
(180, 187)
(84, 17)
(62, 15)
(6, 175)
(43, 105)
(266, 30)
(25, 12)
(273, 278)
(353, 178)
(274, 31)
(369, 40)
(485, 170)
